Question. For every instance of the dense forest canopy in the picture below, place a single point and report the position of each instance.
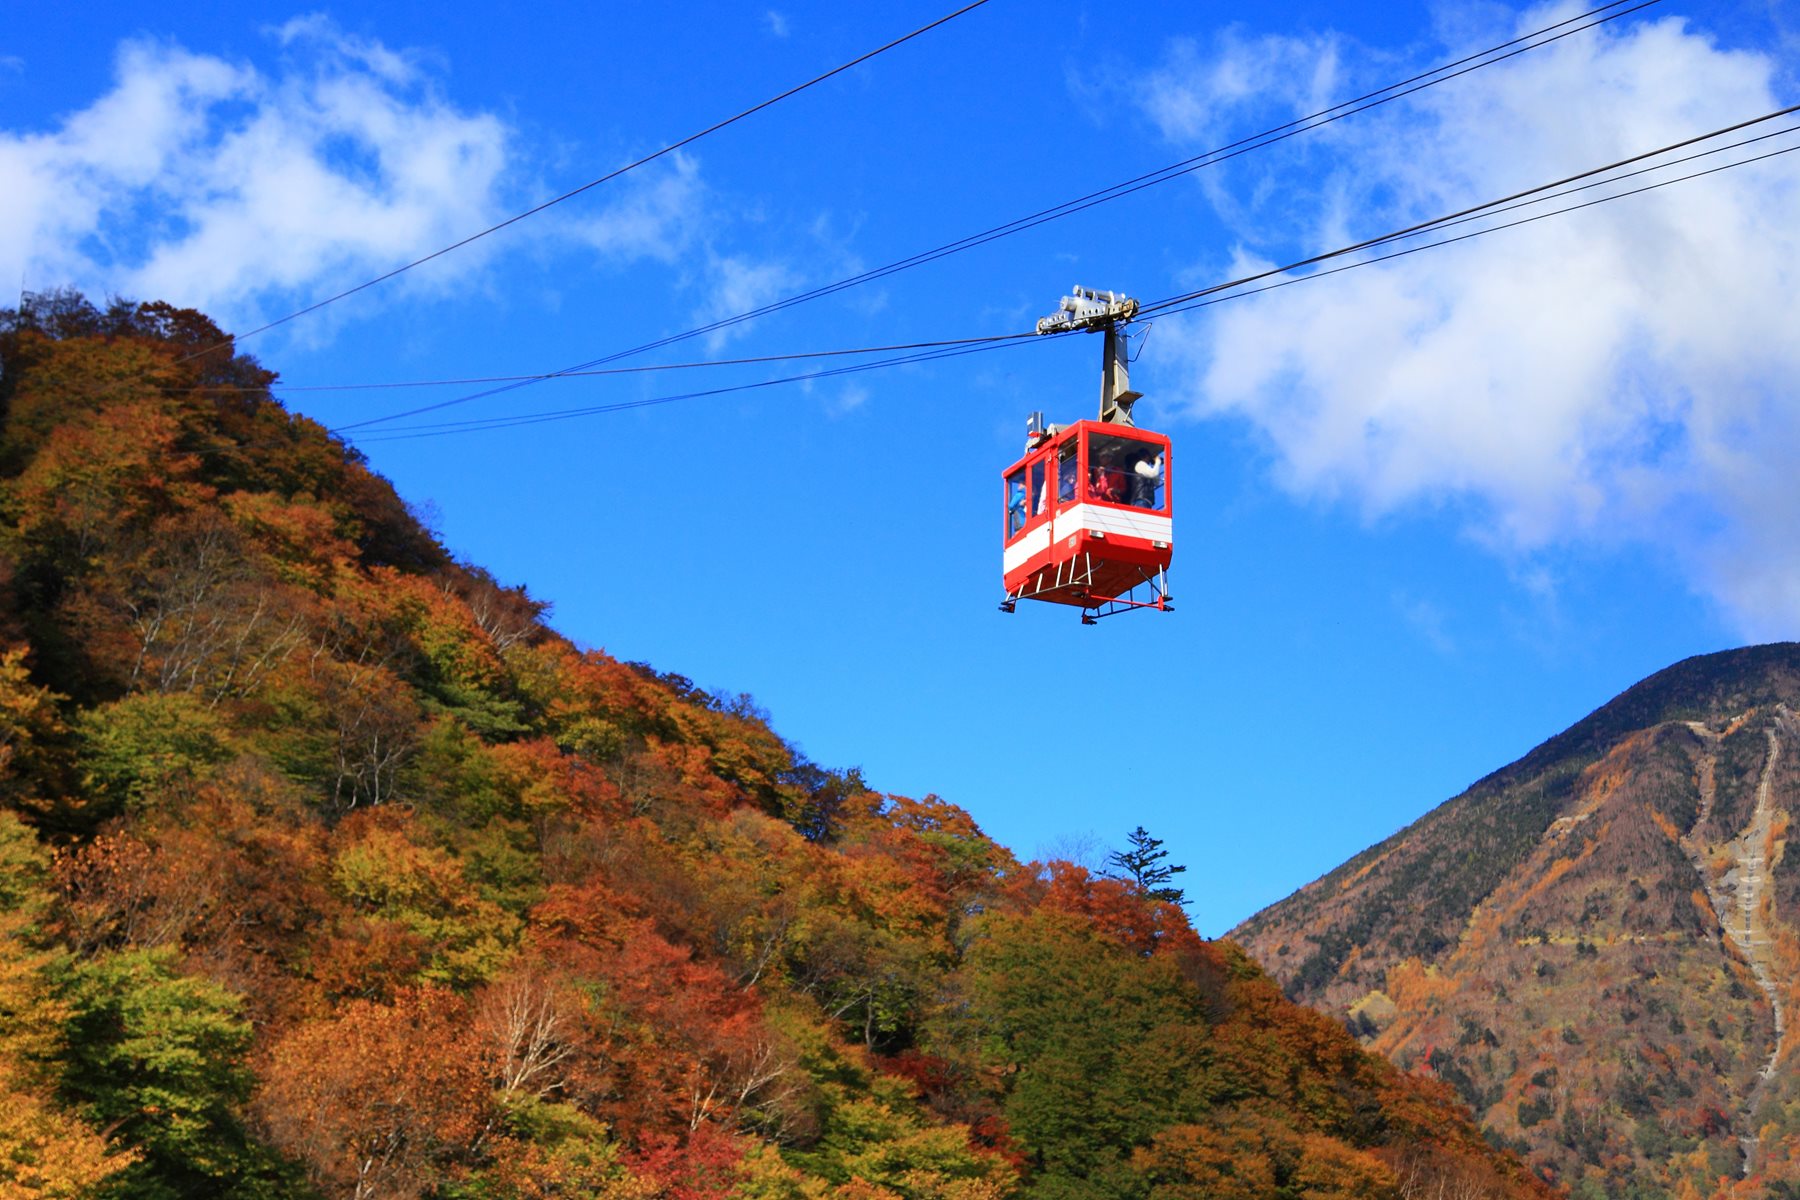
(327, 868)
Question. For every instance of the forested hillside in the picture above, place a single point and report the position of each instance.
(1598, 946)
(328, 869)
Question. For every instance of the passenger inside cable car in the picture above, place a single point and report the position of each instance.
(1125, 471)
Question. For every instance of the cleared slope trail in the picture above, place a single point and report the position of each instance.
(1741, 900)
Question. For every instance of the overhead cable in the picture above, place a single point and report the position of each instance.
(594, 183)
(476, 425)
(1462, 214)
(1217, 294)
(1177, 170)
(645, 368)
(1462, 66)
(1369, 262)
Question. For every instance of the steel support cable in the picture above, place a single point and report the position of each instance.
(1488, 209)
(1173, 171)
(1505, 203)
(475, 423)
(1450, 218)
(594, 183)
(1448, 223)
(1369, 262)
(648, 368)
(478, 425)
(1177, 170)
(924, 352)
(1197, 300)
(1484, 210)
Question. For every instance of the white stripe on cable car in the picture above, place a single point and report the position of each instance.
(1152, 527)
(1021, 551)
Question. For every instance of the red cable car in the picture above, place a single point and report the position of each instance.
(1088, 511)
(1088, 519)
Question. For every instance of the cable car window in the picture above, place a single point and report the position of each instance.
(1040, 490)
(1068, 471)
(1015, 502)
(1125, 471)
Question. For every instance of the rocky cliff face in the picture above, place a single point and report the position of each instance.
(1597, 945)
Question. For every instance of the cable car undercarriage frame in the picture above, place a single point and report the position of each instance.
(1077, 579)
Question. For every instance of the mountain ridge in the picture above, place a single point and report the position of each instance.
(1631, 866)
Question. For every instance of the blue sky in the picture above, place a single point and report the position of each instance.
(1428, 513)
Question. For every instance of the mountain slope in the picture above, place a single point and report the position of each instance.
(1597, 945)
(327, 868)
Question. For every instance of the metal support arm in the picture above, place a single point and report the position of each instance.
(1116, 396)
(1108, 313)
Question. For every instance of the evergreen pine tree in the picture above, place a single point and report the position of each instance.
(1143, 865)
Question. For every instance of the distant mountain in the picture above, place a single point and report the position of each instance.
(328, 869)
(1597, 946)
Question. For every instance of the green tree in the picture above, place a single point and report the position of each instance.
(138, 749)
(1100, 1048)
(45, 1152)
(157, 1057)
(1143, 865)
(882, 1139)
(34, 773)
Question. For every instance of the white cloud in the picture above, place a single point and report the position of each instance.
(737, 284)
(1207, 98)
(1623, 374)
(654, 218)
(1202, 95)
(246, 191)
(317, 31)
(211, 184)
(814, 255)
(777, 23)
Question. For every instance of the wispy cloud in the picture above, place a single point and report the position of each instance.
(654, 214)
(739, 283)
(1203, 93)
(1621, 374)
(777, 23)
(1427, 620)
(849, 398)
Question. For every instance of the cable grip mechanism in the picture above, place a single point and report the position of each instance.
(1108, 313)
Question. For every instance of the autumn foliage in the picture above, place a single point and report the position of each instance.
(327, 868)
